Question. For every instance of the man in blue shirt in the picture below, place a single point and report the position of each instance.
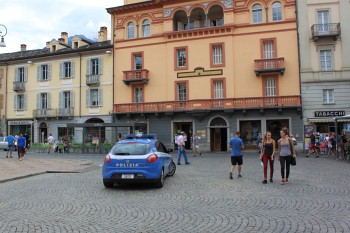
(10, 145)
(236, 144)
(21, 146)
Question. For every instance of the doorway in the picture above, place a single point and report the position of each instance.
(42, 132)
(275, 126)
(187, 127)
(218, 134)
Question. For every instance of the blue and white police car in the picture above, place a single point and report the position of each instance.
(138, 158)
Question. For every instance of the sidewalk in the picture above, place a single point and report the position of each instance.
(13, 169)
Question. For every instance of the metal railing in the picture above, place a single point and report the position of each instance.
(326, 30)
(93, 79)
(19, 86)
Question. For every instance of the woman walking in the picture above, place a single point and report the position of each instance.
(268, 155)
(285, 152)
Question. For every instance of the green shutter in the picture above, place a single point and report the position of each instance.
(61, 70)
(100, 97)
(88, 98)
(72, 70)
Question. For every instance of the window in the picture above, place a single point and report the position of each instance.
(269, 49)
(181, 58)
(270, 87)
(216, 22)
(138, 62)
(217, 55)
(94, 66)
(138, 95)
(257, 14)
(276, 11)
(328, 96)
(20, 102)
(323, 21)
(182, 91)
(21, 74)
(218, 89)
(326, 60)
(75, 45)
(66, 99)
(67, 69)
(43, 101)
(94, 97)
(146, 28)
(130, 29)
(44, 72)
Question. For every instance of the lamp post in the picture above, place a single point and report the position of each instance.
(3, 32)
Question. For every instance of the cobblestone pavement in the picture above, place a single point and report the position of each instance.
(199, 198)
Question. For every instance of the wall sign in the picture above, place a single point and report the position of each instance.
(329, 113)
(20, 122)
(199, 71)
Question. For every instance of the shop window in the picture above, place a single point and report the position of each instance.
(249, 131)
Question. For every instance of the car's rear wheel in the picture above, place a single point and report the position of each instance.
(160, 181)
(172, 169)
(108, 184)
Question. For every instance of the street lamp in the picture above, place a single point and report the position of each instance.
(3, 32)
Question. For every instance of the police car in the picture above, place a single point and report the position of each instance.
(138, 158)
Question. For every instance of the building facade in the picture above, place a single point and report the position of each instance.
(207, 67)
(324, 38)
(68, 82)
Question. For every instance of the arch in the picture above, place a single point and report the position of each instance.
(146, 28)
(94, 120)
(43, 125)
(43, 132)
(277, 12)
(257, 13)
(218, 122)
(130, 30)
(180, 20)
(218, 130)
(216, 15)
(197, 18)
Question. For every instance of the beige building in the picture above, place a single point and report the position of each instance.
(207, 67)
(69, 81)
(324, 37)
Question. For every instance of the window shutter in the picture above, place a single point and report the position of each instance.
(100, 97)
(60, 101)
(88, 67)
(48, 71)
(100, 65)
(61, 70)
(88, 98)
(25, 74)
(72, 69)
(16, 75)
(48, 100)
(24, 102)
(72, 99)
(15, 103)
(38, 101)
(38, 73)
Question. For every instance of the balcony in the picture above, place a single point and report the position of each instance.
(18, 86)
(271, 65)
(135, 76)
(331, 30)
(44, 113)
(210, 104)
(65, 112)
(93, 79)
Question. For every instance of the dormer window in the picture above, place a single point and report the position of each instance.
(53, 48)
(75, 45)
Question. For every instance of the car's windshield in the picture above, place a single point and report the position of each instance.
(130, 149)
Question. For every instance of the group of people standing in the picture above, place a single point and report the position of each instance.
(19, 143)
(286, 152)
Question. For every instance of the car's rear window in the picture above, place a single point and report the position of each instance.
(130, 149)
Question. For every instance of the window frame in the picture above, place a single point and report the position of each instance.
(177, 83)
(256, 11)
(128, 32)
(212, 86)
(20, 102)
(262, 47)
(212, 46)
(133, 93)
(328, 91)
(176, 67)
(143, 28)
(264, 78)
(135, 54)
(325, 69)
(44, 72)
(280, 13)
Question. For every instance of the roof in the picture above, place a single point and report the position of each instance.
(22, 55)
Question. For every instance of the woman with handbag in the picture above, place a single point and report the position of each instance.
(267, 155)
(285, 152)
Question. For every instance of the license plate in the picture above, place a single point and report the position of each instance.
(127, 176)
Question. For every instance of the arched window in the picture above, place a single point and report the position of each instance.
(146, 26)
(131, 30)
(180, 21)
(276, 11)
(257, 13)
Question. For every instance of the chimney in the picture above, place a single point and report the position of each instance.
(64, 37)
(102, 34)
(23, 47)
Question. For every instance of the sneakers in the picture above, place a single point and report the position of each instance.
(239, 176)
(231, 176)
(187, 163)
(264, 182)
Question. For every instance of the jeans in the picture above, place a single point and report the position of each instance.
(266, 160)
(285, 162)
(179, 152)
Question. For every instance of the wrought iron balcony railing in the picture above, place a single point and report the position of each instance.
(53, 113)
(93, 79)
(18, 86)
(65, 112)
(329, 30)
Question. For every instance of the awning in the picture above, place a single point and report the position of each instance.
(343, 118)
(321, 119)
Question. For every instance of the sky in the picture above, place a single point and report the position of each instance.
(34, 22)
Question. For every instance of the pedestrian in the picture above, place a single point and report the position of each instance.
(259, 142)
(27, 142)
(312, 145)
(195, 145)
(325, 143)
(331, 145)
(51, 141)
(285, 152)
(267, 155)
(236, 145)
(181, 148)
(21, 146)
(10, 145)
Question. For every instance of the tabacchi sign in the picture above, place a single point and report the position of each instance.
(329, 113)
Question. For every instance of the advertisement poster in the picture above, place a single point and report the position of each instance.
(308, 129)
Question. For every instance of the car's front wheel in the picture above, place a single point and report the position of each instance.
(108, 184)
(160, 181)
(172, 169)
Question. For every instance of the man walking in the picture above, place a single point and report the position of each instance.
(21, 146)
(236, 144)
(312, 146)
(51, 142)
(181, 148)
(10, 145)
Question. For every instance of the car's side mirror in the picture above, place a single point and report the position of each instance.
(170, 150)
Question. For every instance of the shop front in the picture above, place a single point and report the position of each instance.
(324, 122)
(17, 127)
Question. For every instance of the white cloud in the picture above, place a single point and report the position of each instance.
(37, 21)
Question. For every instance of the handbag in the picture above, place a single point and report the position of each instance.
(293, 161)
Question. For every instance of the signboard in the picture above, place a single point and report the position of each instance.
(20, 122)
(308, 129)
(329, 113)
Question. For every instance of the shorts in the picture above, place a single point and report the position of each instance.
(21, 150)
(312, 146)
(236, 159)
(10, 147)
